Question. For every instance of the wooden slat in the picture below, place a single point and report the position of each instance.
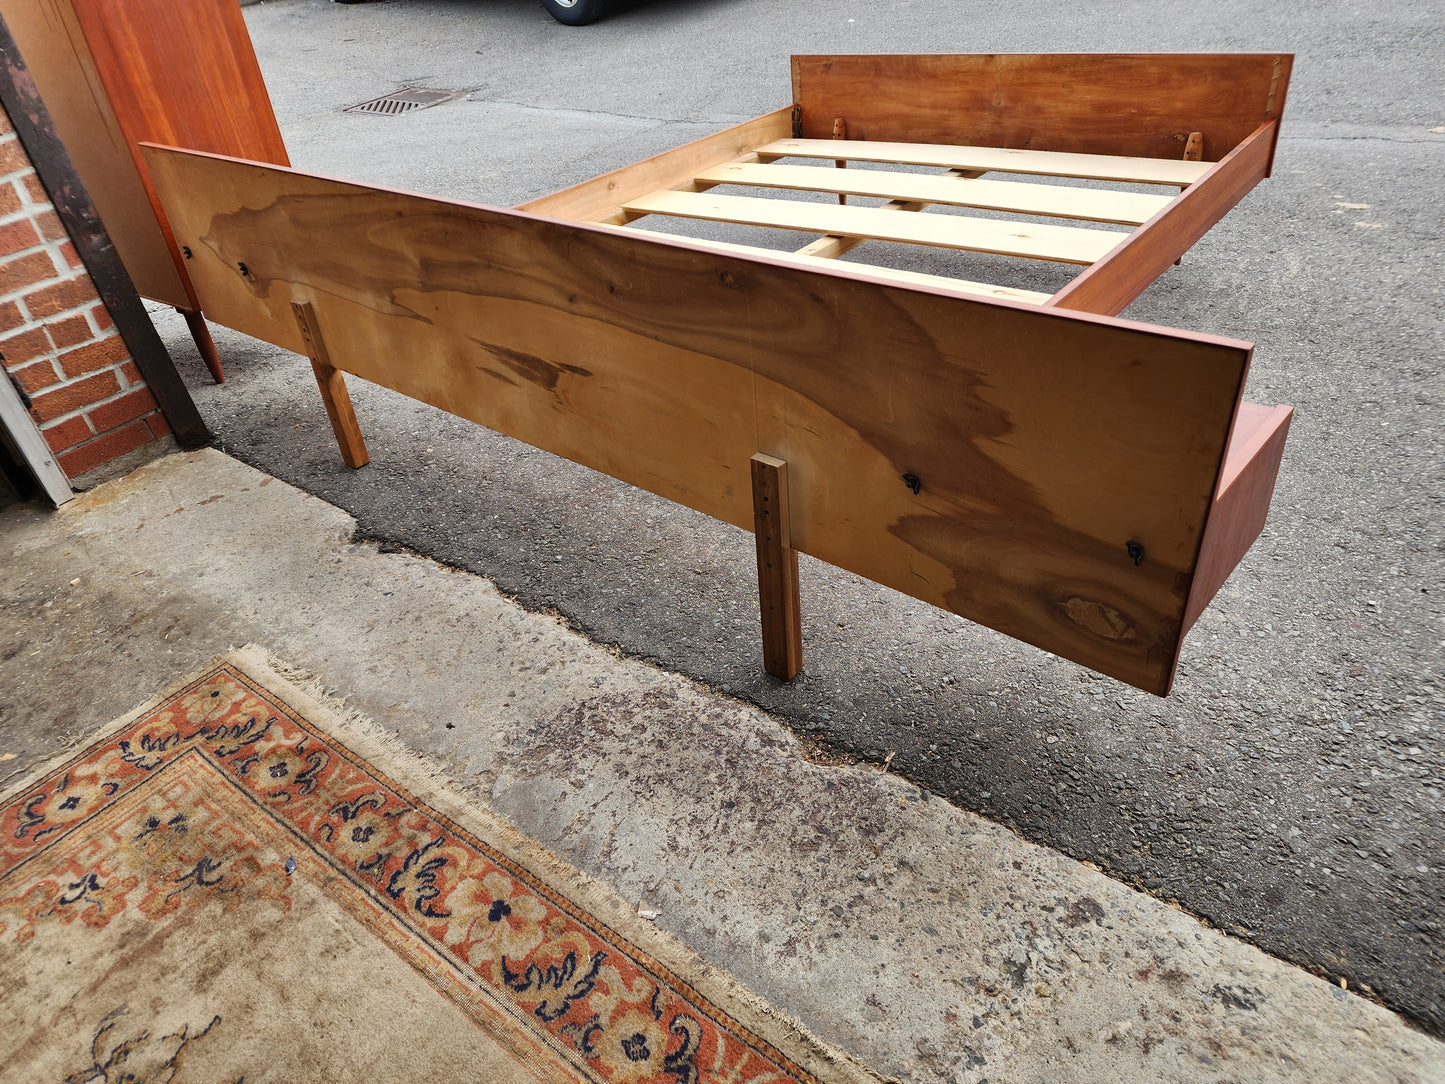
(1142, 105)
(1056, 201)
(1062, 244)
(1096, 167)
(910, 278)
(777, 569)
(1127, 272)
(1043, 441)
(600, 199)
(832, 248)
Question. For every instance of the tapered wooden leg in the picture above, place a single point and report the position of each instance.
(777, 569)
(333, 388)
(204, 343)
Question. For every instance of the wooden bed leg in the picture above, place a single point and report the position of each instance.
(777, 569)
(333, 388)
(204, 343)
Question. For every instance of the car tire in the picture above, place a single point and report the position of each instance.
(575, 12)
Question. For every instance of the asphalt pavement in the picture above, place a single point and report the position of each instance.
(1289, 791)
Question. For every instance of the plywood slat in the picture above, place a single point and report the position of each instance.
(1085, 204)
(1061, 244)
(599, 199)
(1097, 167)
(892, 274)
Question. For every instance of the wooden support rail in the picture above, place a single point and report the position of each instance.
(601, 198)
(1062, 244)
(1125, 273)
(1097, 167)
(1055, 201)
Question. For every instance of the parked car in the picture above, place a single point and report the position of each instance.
(575, 12)
(571, 12)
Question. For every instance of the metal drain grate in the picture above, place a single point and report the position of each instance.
(404, 100)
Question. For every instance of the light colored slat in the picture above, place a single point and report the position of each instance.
(803, 259)
(599, 199)
(1097, 167)
(1062, 244)
(1085, 204)
(1111, 284)
(833, 247)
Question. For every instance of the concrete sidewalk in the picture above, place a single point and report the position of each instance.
(929, 942)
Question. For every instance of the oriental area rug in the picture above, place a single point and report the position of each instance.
(239, 882)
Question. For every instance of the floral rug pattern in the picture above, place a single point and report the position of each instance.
(173, 813)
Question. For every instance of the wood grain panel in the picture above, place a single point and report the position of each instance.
(1128, 271)
(1038, 241)
(181, 74)
(1050, 200)
(1144, 105)
(1043, 442)
(1096, 167)
(600, 199)
(51, 40)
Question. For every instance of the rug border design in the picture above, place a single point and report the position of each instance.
(583, 898)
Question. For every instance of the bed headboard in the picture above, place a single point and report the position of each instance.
(1094, 103)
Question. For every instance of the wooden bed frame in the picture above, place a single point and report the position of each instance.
(1026, 460)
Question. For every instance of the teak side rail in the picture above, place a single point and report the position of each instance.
(1074, 480)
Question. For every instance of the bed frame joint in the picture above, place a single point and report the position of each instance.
(1194, 147)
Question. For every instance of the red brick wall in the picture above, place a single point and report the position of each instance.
(56, 337)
